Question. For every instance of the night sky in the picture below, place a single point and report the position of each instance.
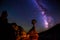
(23, 11)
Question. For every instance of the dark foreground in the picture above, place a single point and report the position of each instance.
(51, 34)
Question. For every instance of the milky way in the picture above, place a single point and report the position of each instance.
(45, 18)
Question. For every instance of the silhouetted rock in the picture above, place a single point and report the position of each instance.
(12, 35)
(15, 31)
(33, 34)
(51, 34)
(4, 25)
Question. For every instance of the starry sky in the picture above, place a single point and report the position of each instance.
(23, 11)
